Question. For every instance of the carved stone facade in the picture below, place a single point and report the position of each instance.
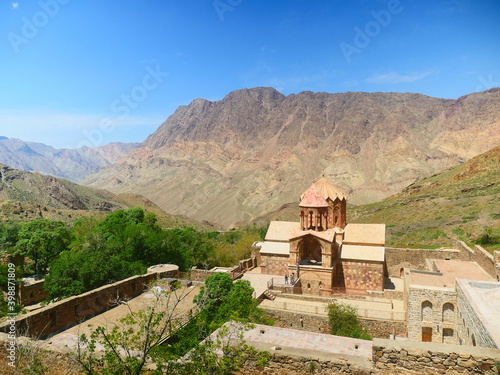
(323, 251)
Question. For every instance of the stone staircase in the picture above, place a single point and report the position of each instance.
(270, 295)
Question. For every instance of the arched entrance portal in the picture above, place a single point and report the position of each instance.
(310, 251)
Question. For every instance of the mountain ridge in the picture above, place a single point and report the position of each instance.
(231, 160)
(71, 164)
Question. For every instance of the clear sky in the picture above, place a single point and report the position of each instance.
(77, 72)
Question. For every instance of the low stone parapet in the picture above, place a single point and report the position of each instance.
(433, 358)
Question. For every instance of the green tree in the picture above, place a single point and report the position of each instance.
(42, 241)
(343, 320)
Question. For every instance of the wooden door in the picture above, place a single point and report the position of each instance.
(426, 334)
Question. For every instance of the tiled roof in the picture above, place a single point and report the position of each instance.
(328, 190)
(281, 230)
(357, 252)
(313, 198)
(364, 234)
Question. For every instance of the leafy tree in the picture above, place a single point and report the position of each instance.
(42, 241)
(138, 340)
(343, 320)
(8, 236)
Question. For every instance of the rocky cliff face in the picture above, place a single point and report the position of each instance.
(234, 159)
(73, 164)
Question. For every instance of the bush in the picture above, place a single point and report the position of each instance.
(344, 321)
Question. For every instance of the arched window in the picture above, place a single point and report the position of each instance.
(426, 311)
(448, 335)
(473, 340)
(448, 312)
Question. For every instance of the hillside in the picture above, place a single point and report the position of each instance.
(72, 164)
(232, 160)
(26, 196)
(462, 202)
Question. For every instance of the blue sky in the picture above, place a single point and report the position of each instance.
(77, 72)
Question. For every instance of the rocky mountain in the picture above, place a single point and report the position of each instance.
(235, 159)
(462, 202)
(72, 164)
(26, 196)
(17, 185)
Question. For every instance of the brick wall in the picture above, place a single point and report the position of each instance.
(275, 264)
(363, 276)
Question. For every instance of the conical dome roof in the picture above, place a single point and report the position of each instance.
(328, 190)
(313, 198)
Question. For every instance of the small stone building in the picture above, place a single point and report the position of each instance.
(434, 313)
(322, 253)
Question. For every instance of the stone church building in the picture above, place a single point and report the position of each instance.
(321, 253)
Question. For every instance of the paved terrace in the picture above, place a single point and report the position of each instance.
(375, 308)
(309, 344)
(69, 337)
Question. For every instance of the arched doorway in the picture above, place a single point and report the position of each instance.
(310, 251)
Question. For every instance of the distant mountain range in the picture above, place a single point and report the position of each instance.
(232, 160)
(72, 164)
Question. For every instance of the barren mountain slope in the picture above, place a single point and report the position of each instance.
(237, 158)
(26, 196)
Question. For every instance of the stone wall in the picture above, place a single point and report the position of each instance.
(32, 293)
(397, 259)
(481, 256)
(384, 329)
(317, 323)
(63, 314)
(430, 358)
(496, 256)
(281, 364)
(473, 331)
(303, 322)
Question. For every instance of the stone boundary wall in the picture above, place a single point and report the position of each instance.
(303, 322)
(481, 256)
(431, 358)
(315, 323)
(397, 258)
(68, 312)
(475, 330)
(30, 294)
(388, 357)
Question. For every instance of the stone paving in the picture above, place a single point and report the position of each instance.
(309, 344)
(375, 309)
(69, 337)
